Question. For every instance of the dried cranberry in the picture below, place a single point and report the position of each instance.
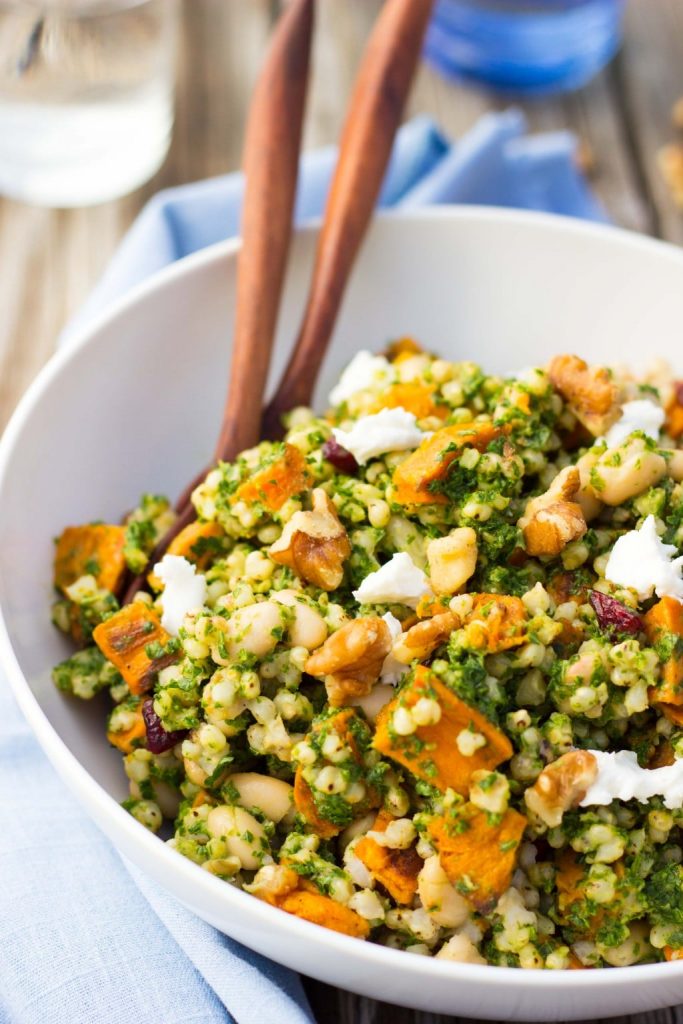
(158, 739)
(613, 616)
(340, 458)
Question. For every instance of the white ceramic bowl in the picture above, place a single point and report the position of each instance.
(134, 405)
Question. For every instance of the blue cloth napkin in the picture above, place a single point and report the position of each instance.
(86, 939)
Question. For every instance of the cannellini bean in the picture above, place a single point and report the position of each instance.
(234, 825)
(308, 628)
(440, 899)
(357, 828)
(624, 472)
(272, 796)
(253, 629)
(590, 505)
(676, 465)
(462, 950)
(373, 702)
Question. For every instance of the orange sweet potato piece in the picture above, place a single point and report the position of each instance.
(673, 954)
(415, 398)
(319, 909)
(662, 622)
(304, 801)
(571, 880)
(674, 413)
(478, 852)
(396, 870)
(306, 806)
(431, 460)
(273, 485)
(673, 712)
(123, 640)
(125, 741)
(92, 550)
(189, 543)
(496, 623)
(431, 752)
(429, 606)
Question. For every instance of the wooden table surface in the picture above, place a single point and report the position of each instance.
(50, 259)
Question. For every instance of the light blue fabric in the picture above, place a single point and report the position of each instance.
(85, 938)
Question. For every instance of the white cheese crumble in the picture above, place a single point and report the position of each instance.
(184, 590)
(391, 430)
(393, 670)
(398, 582)
(620, 777)
(641, 561)
(363, 371)
(642, 414)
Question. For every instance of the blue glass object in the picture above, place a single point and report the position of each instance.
(524, 47)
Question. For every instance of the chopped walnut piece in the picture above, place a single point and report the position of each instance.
(424, 637)
(452, 560)
(670, 162)
(314, 544)
(589, 391)
(351, 659)
(562, 785)
(552, 520)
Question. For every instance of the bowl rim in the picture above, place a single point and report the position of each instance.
(146, 845)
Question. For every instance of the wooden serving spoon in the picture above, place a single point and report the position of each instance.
(379, 95)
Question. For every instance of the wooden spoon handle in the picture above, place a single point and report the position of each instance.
(375, 110)
(270, 163)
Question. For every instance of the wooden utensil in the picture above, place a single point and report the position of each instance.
(374, 115)
(377, 102)
(270, 163)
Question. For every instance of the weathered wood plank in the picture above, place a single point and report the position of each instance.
(649, 76)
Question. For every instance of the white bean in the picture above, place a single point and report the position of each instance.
(272, 796)
(243, 835)
(440, 899)
(308, 628)
(254, 629)
(373, 702)
(624, 472)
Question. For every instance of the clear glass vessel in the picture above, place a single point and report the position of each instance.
(86, 97)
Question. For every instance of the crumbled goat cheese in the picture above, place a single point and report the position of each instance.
(391, 430)
(393, 670)
(363, 371)
(398, 582)
(184, 590)
(639, 415)
(641, 561)
(620, 777)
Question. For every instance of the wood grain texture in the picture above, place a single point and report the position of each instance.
(50, 259)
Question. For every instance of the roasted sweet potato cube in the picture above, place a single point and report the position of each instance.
(126, 741)
(431, 752)
(124, 639)
(282, 479)
(194, 543)
(319, 909)
(674, 712)
(664, 628)
(396, 870)
(478, 851)
(415, 398)
(93, 550)
(306, 806)
(429, 463)
(496, 623)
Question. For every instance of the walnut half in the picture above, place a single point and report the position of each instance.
(589, 391)
(314, 544)
(423, 638)
(350, 661)
(562, 785)
(553, 519)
